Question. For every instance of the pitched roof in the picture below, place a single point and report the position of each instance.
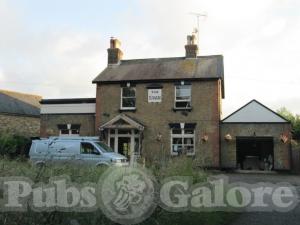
(19, 103)
(254, 112)
(164, 69)
(122, 121)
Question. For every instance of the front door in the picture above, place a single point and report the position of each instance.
(124, 141)
(124, 146)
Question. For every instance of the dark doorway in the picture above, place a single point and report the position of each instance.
(124, 146)
(255, 153)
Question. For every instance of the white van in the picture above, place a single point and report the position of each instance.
(77, 150)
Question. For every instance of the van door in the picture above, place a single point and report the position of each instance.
(65, 151)
(39, 151)
(89, 153)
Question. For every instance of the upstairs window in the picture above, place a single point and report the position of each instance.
(128, 98)
(183, 96)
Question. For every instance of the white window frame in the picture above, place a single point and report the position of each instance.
(183, 136)
(69, 134)
(132, 137)
(127, 108)
(175, 97)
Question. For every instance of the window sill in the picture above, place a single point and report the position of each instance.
(127, 110)
(187, 154)
(183, 109)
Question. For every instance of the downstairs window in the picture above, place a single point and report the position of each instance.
(182, 141)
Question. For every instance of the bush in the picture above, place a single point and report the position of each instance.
(13, 145)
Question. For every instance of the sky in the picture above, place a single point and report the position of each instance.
(55, 48)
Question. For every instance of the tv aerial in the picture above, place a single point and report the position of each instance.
(198, 16)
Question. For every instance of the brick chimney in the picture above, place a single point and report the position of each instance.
(115, 54)
(191, 48)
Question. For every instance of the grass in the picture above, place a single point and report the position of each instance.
(174, 167)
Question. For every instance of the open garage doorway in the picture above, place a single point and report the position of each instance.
(255, 153)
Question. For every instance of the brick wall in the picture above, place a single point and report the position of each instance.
(281, 150)
(49, 123)
(157, 116)
(20, 125)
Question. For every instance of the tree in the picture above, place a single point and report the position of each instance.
(293, 118)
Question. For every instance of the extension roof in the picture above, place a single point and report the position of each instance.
(254, 112)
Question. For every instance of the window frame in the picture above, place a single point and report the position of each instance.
(69, 132)
(183, 136)
(175, 97)
(121, 105)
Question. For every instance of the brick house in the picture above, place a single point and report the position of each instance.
(19, 113)
(163, 107)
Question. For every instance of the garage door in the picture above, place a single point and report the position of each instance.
(255, 153)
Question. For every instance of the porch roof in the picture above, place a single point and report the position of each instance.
(122, 121)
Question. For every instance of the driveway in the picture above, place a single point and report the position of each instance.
(268, 218)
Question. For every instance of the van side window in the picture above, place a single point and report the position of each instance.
(88, 148)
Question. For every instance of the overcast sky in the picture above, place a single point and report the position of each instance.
(54, 48)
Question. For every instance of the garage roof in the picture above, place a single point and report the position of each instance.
(254, 112)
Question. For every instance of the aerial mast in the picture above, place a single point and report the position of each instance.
(198, 16)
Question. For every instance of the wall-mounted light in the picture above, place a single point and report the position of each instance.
(159, 137)
(283, 138)
(204, 138)
(228, 137)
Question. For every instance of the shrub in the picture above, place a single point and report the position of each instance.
(13, 145)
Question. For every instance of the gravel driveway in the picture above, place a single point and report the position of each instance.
(268, 218)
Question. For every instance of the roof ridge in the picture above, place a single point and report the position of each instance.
(169, 58)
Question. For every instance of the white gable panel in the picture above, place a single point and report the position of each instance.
(254, 112)
(68, 108)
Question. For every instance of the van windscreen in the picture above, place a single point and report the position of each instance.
(103, 147)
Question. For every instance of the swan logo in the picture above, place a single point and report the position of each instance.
(129, 192)
(127, 195)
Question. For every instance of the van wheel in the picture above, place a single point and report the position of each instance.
(40, 164)
(102, 166)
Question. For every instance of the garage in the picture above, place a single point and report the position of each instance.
(255, 153)
(255, 138)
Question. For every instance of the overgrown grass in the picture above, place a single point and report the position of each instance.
(174, 167)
